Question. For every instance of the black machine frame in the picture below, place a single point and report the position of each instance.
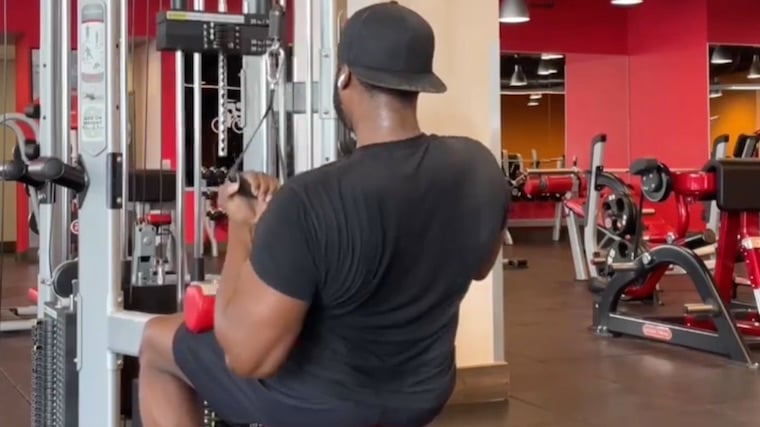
(609, 321)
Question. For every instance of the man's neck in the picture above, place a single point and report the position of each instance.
(383, 131)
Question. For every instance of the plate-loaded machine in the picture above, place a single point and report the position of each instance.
(585, 245)
(83, 338)
(717, 323)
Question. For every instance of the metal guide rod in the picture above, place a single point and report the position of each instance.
(124, 132)
(222, 77)
(63, 205)
(282, 121)
(198, 200)
(180, 167)
(330, 13)
(49, 221)
(309, 98)
(99, 291)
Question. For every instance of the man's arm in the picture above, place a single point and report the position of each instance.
(265, 289)
(488, 266)
(503, 206)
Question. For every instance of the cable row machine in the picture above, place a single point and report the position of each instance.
(90, 319)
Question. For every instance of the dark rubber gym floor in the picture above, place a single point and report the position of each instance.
(562, 376)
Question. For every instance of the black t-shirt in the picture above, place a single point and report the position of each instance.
(383, 245)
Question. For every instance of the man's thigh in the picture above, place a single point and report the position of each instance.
(246, 401)
(201, 360)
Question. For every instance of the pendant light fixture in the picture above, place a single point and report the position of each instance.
(626, 2)
(720, 56)
(546, 68)
(715, 93)
(754, 69)
(518, 77)
(513, 12)
(550, 56)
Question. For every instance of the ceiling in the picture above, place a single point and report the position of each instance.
(742, 60)
(733, 72)
(529, 64)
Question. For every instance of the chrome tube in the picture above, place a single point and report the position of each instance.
(63, 208)
(198, 212)
(282, 122)
(309, 98)
(179, 209)
(123, 101)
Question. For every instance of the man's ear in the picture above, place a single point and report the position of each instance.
(344, 78)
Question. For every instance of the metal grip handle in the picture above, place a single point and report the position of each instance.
(59, 173)
(244, 187)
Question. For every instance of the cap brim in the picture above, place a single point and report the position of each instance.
(412, 82)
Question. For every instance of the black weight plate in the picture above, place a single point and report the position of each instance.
(63, 278)
(619, 214)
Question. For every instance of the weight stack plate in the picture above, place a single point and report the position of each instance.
(40, 377)
(66, 379)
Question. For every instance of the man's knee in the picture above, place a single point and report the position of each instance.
(157, 339)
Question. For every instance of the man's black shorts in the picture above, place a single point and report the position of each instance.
(246, 401)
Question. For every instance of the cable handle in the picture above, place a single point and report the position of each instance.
(244, 187)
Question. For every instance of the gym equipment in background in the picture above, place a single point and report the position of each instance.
(21, 318)
(517, 172)
(717, 323)
(613, 204)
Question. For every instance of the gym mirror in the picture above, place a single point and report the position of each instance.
(533, 109)
(734, 95)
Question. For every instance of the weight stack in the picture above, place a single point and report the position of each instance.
(54, 374)
(40, 378)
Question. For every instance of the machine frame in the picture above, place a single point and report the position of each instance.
(95, 328)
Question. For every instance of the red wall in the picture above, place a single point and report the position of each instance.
(668, 85)
(733, 21)
(577, 26)
(597, 101)
(669, 82)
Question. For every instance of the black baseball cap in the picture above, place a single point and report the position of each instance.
(390, 46)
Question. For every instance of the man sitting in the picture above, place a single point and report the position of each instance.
(339, 298)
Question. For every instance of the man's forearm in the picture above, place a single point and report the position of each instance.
(238, 251)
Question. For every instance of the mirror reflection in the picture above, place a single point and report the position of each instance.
(533, 108)
(734, 96)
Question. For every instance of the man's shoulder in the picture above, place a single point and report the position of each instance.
(463, 144)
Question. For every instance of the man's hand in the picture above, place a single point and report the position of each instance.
(244, 211)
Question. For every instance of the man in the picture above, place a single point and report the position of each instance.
(341, 310)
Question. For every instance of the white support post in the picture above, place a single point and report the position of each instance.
(330, 12)
(253, 97)
(49, 221)
(98, 294)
